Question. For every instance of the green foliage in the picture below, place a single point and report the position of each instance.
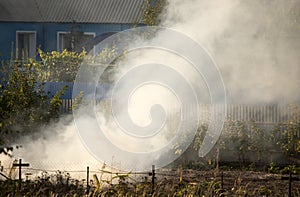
(291, 169)
(287, 135)
(62, 184)
(200, 136)
(248, 141)
(45, 185)
(58, 67)
(23, 105)
(56, 102)
(77, 100)
(106, 54)
(258, 140)
(273, 168)
(238, 138)
(152, 11)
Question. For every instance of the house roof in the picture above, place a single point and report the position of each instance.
(81, 11)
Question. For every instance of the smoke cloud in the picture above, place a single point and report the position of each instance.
(255, 44)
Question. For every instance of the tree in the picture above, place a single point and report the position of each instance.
(24, 106)
(152, 11)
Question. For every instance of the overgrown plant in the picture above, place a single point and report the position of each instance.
(252, 144)
(58, 66)
(152, 11)
(287, 136)
(23, 104)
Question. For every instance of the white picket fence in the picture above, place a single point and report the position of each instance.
(266, 114)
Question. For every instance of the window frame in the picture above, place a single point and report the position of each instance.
(34, 40)
(66, 32)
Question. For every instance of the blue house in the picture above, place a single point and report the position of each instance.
(26, 25)
(55, 25)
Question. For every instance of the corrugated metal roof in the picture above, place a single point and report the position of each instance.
(81, 11)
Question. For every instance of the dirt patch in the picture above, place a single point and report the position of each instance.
(238, 181)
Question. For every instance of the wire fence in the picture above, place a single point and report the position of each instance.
(155, 177)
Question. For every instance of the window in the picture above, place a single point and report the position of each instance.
(75, 41)
(25, 44)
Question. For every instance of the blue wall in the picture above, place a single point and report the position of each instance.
(51, 88)
(46, 37)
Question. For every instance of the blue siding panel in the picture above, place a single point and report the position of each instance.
(47, 33)
(51, 88)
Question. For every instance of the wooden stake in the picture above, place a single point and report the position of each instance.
(153, 178)
(20, 164)
(290, 185)
(87, 179)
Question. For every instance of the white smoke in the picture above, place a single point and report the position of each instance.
(255, 43)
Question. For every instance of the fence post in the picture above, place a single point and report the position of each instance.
(153, 178)
(20, 165)
(290, 185)
(87, 179)
(222, 180)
